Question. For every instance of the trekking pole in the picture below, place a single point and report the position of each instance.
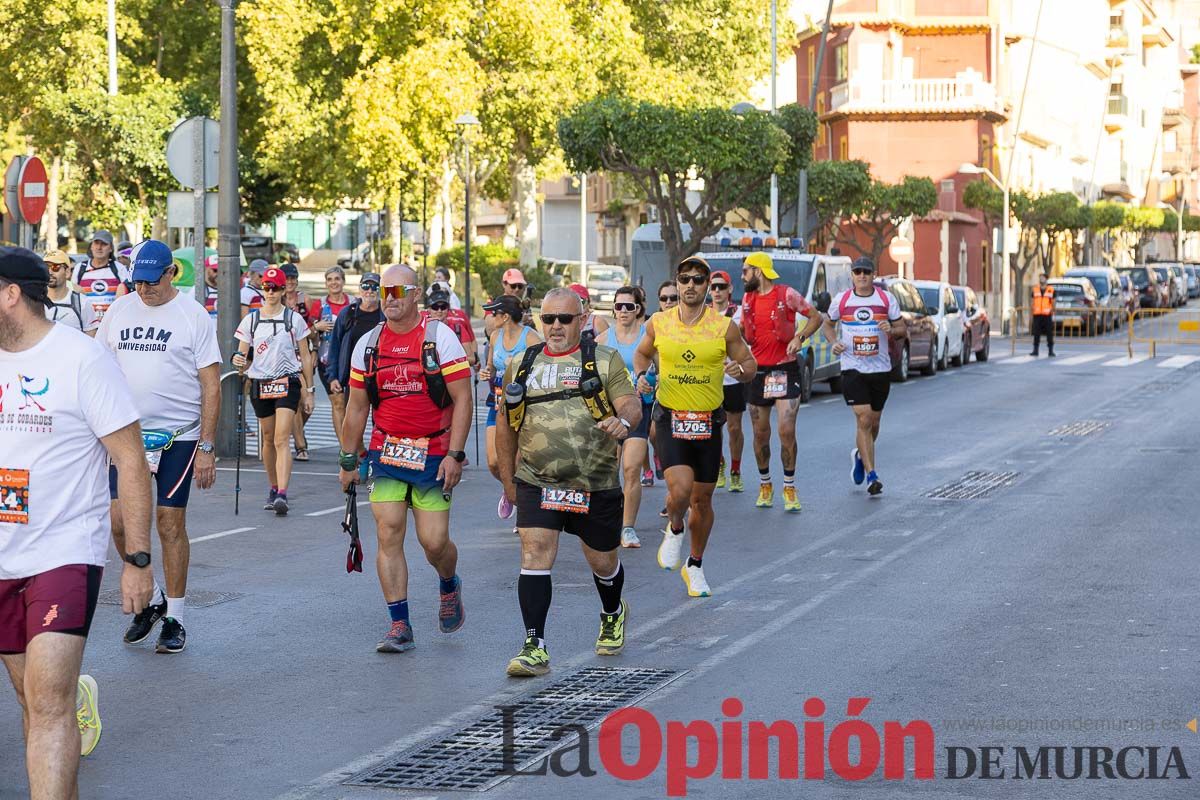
(241, 434)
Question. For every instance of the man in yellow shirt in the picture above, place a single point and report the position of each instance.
(692, 342)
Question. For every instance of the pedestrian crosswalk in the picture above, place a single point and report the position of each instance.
(1108, 359)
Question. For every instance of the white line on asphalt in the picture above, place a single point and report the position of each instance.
(1175, 362)
(1066, 362)
(222, 533)
(1018, 360)
(831, 400)
(1125, 361)
(323, 512)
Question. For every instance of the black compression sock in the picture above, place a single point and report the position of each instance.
(534, 591)
(610, 589)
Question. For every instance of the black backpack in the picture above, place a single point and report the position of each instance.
(591, 388)
(435, 382)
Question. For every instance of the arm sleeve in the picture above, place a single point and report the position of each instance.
(797, 303)
(104, 395)
(451, 355)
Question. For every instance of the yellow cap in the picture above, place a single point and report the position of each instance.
(763, 262)
(56, 257)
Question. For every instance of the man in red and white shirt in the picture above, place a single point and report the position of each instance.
(438, 307)
(769, 326)
(415, 374)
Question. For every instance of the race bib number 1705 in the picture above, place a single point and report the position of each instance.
(691, 425)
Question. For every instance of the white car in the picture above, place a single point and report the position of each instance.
(943, 309)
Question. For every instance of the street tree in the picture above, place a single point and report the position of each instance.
(881, 212)
(1140, 226)
(836, 189)
(724, 158)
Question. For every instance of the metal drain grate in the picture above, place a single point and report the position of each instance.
(1082, 428)
(473, 758)
(975, 485)
(195, 599)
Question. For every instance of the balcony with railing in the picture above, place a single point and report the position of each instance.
(1116, 116)
(966, 92)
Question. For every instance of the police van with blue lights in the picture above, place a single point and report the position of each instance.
(808, 273)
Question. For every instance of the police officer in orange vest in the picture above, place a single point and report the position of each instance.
(1043, 315)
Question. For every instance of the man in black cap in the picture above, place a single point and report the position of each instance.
(101, 278)
(68, 411)
(438, 307)
(353, 322)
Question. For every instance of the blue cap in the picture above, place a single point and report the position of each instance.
(150, 259)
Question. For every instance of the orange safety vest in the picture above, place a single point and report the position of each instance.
(1043, 302)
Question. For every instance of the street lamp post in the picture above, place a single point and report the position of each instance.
(975, 169)
(774, 71)
(463, 122)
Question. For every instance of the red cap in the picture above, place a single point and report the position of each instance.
(275, 276)
(581, 290)
(512, 276)
(722, 274)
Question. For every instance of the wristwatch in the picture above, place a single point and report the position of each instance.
(311, 389)
(205, 447)
(457, 455)
(347, 461)
(140, 559)
(625, 422)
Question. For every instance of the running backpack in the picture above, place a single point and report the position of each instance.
(591, 388)
(256, 319)
(879, 295)
(75, 305)
(435, 382)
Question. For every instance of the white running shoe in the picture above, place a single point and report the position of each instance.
(694, 578)
(668, 551)
(629, 537)
(504, 509)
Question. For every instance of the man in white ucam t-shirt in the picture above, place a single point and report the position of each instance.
(166, 345)
(866, 317)
(65, 409)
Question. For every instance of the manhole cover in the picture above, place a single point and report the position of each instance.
(1082, 428)
(975, 485)
(474, 757)
(112, 597)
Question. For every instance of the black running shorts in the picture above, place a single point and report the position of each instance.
(599, 528)
(702, 455)
(866, 388)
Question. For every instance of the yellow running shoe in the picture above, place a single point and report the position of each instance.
(530, 662)
(735, 482)
(721, 476)
(87, 713)
(766, 496)
(611, 640)
(791, 501)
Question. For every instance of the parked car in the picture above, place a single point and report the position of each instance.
(1152, 293)
(258, 247)
(811, 274)
(942, 307)
(977, 324)
(1168, 282)
(356, 258)
(916, 347)
(1076, 306)
(1193, 273)
(1129, 293)
(1107, 284)
(1181, 282)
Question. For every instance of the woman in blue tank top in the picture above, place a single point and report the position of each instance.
(507, 342)
(629, 308)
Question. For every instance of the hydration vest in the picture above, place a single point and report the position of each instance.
(783, 316)
(435, 382)
(591, 388)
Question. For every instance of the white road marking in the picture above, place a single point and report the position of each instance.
(1125, 361)
(1018, 360)
(342, 507)
(1066, 362)
(1175, 362)
(222, 533)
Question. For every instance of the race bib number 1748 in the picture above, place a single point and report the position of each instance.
(574, 501)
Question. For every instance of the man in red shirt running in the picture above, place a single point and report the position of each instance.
(415, 375)
(769, 326)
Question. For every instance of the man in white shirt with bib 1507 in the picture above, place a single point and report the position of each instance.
(165, 344)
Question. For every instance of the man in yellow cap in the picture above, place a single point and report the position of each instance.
(769, 326)
(69, 307)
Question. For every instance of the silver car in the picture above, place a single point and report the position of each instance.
(1107, 283)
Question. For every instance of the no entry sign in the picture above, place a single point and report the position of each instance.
(31, 190)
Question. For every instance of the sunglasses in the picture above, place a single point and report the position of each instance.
(270, 287)
(695, 280)
(625, 306)
(720, 287)
(369, 287)
(56, 267)
(519, 286)
(151, 283)
(668, 298)
(861, 271)
(440, 307)
(561, 319)
(399, 292)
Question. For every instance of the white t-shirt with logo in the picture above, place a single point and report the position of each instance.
(734, 312)
(161, 350)
(866, 345)
(57, 400)
(99, 286)
(74, 312)
(275, 350)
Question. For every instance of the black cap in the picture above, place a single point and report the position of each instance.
(863, 263)
(24, 268)
(438, 296)
(289, 270)
(505, 304)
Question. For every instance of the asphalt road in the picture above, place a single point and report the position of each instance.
(1056, 611)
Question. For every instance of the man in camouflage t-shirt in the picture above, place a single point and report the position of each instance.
(568, 478)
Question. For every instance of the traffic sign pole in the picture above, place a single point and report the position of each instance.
(198, 184)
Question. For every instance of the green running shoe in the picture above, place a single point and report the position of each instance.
(530, 662)
(611, 640)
